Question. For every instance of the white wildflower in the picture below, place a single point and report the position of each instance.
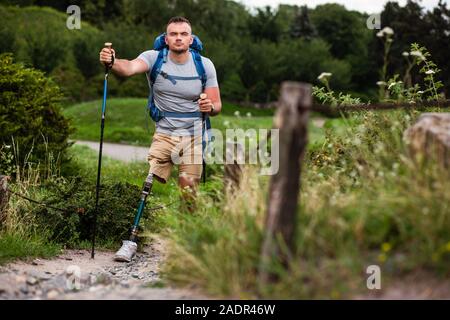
(417, 54)
(249, 115)
(429, 72)
(226, 123)
(387, 30)
(381, 83)
(324, 75)
(405, 54)
(237, 113)
(391, 85)
(389, 40)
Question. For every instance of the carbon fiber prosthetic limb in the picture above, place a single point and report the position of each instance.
(129, 247)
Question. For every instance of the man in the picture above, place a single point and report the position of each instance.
(176, 140)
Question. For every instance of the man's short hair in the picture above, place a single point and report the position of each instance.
(178, 19)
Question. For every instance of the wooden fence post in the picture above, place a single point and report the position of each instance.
(4, 197)
(291, 119)
(233, 171)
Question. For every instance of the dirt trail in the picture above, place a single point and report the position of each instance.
(123, 152)
(74, 275)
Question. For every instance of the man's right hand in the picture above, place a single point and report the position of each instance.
(106, 56)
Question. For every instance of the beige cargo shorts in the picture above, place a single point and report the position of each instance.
(167, 150)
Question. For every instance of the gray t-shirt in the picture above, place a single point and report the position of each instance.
(178, 97)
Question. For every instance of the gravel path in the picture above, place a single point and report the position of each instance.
(74, 275)
(123, 152)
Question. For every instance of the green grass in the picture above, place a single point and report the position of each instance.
(126, 121)
(14, 246)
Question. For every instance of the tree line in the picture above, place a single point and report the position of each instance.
(253, 51)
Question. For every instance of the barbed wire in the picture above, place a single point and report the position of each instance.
(335, 109)
(156, 208)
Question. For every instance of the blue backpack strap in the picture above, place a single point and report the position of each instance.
(156, 69)
(199, 66)
(202, 74)
(155, 113)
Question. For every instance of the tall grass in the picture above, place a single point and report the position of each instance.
(20, 236)
(364, 201)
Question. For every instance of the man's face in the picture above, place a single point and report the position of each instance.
(179, 37)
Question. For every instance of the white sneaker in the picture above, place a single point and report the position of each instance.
(126, 252)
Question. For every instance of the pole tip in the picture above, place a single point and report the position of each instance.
(203, 96)
(108, 44)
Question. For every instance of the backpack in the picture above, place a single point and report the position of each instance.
(195, 48)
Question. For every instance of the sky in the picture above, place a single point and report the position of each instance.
(368, 6)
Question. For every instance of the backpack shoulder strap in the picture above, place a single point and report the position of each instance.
(156, 69)
(199, 66)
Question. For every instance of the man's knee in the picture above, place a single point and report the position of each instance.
(186, 181)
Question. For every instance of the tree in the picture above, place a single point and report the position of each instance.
(301, 26)
(265, 25)
(342, 29)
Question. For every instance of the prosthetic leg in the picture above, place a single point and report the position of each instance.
(129, 247)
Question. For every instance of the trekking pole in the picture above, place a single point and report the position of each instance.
(102, 127)
(203, 96)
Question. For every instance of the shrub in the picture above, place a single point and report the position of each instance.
(116, 210)
(30, 112)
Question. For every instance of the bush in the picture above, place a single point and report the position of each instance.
(117, 207)
(30, 113)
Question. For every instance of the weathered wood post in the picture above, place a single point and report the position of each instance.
(233, 171)
(4, 197)
(291, 119)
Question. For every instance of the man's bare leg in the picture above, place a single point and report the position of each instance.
(188, 187)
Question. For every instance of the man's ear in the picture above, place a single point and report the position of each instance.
(192, 40)
(165, 40)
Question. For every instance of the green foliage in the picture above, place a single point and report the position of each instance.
(327, 96)
(342, 227)
(302, 60)
(30, 115)
(116, 210)
(39, 37)
(335, 40)
(343, 30)
(428, 69)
